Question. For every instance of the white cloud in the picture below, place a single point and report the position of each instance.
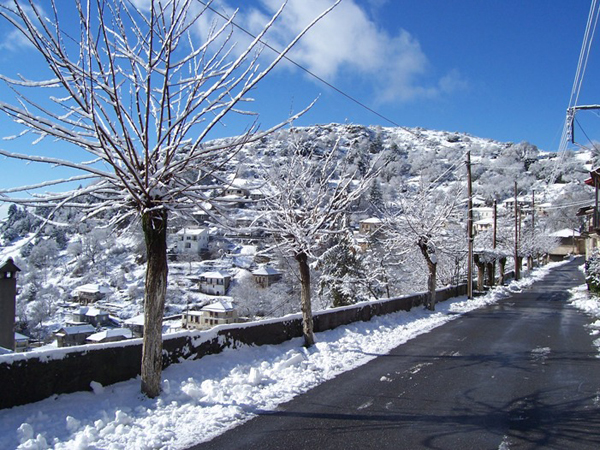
(348, 43)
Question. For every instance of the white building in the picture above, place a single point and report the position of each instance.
(214, 283)
(191, 241)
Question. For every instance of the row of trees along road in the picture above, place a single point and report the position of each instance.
(135, 92)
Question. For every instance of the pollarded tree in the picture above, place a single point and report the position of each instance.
(422, 220)
(135, 91)
(309, 195)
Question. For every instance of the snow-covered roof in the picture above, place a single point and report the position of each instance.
(219, 306)
(114, 332)
(92, 288)
(5, 351)
(20, 337)
(77, 329)
(262, 271)
(487, 221)
(135, 320)
(214, 274)
(565, 232)
(192, 231)
(90, 311)
(374, 220)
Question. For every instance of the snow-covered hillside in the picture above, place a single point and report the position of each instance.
(69, 252)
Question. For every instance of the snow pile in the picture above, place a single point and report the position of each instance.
(582, 299)
(202, 399)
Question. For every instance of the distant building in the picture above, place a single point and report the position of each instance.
(191, 241)
(483, 225)
(266, 276)
(112, 335)
(76, 335)
(136, 325)
(371, 225)
(90, 293)
(21, 342)
(218, 313)
(86, 314)
(570, 242)
(214, 283)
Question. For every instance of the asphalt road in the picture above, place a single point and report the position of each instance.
(520, 374)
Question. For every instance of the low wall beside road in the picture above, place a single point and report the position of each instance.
(34, 376)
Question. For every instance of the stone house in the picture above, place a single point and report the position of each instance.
(265, 276)
(218, 313)
(76, 335)
(112, 335)
(90, 293)
(94, 316)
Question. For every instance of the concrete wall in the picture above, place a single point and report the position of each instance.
(30, 377)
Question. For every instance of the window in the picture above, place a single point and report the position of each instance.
(188, 245)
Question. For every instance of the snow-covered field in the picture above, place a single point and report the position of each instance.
(202, 399)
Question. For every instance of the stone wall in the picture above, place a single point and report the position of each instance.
(34, 376)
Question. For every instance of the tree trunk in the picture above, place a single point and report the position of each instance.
(431, 284)
(154, 225)
(502, 266)
(307, 318)
(431, 259)
(480, 272)
(491, 271)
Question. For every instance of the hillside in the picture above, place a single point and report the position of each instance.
(68, 253)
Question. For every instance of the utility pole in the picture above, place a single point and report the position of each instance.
(495, 232)
(516, 255)
(469, 228)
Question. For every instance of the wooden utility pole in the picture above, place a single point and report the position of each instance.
(469, 228)
(516, 255)
(495, 229)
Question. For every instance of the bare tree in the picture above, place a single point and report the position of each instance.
(310, 194)
(136, 93)
(422, 220)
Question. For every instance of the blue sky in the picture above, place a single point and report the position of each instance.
(494, 69)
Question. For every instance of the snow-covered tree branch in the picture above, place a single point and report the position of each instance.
(135, 92)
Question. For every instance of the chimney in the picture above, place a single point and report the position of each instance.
(8, 295)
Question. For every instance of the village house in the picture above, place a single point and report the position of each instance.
(191, 241)
(265, 276)
(136, 325)
(76, 335)
(90, 293)
(218, 313)
(86, 314)
(570, 242)
(214, 283)
(483, 225)
(370, 226)
(21, 342)
(483, 212)
(112, 335)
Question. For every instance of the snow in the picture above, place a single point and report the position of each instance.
(204, 398)
(266, 271)
(565, 233)
(219, 306)
(125, 333)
